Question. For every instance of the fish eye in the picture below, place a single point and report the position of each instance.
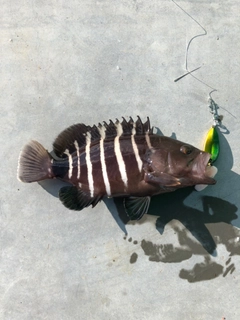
(186, 149)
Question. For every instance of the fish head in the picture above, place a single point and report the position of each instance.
(183, 162)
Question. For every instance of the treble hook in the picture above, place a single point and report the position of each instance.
(217, 119)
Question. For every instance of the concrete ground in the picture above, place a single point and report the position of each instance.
(64, 62)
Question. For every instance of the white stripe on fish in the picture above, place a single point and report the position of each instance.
(89, 164)
(78, 158)
(135, 148)
(70, 160)
(103, 163)
(148, 140)
(117, 150)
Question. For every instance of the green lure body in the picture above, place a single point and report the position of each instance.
(212, 144)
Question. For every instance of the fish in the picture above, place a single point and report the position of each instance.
(116, 159)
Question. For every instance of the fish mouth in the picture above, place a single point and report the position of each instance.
(209, 172)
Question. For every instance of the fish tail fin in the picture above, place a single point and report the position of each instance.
(34, 163)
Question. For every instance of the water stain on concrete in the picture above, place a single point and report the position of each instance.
(133, 257)
(206, 270)
(164, 252)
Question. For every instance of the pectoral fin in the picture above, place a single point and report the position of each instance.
(162, 179)
(76, 199)
(136, 207)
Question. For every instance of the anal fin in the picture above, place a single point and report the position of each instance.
(76, 199)
(136, 207)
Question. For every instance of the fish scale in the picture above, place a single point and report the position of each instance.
(122, 159)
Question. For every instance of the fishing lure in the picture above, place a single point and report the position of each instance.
(212, 145)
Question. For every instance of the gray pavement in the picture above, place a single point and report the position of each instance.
(64, 62)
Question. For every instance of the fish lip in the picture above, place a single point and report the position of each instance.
(206, 157)
(199, 168)
(207, 179)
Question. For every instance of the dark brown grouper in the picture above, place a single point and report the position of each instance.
(115, 160)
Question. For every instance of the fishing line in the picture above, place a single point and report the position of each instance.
(190, 72)
(186, 74)
(188, 46)
(211, 100)
(211, 145)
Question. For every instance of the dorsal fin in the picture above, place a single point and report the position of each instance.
(147, 127)
(111, 130)
(142, 128)
(77, 133)
(95, 135)
(66, 138)
(127, 126)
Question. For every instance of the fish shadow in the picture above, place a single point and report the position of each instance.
(201, 221)
(215, 210)
(199, 232)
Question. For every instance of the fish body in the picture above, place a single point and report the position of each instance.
(122, 159)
